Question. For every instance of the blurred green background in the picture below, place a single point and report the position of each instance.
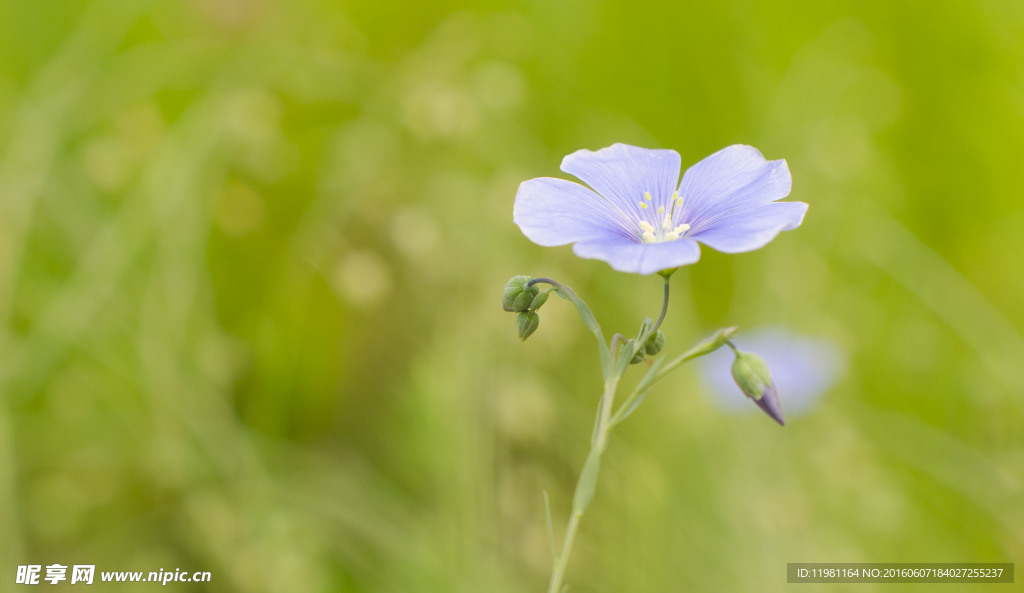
(251, 257)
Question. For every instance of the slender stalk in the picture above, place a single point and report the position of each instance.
(599, 441)
(604, 429)
(558, 574)
(588, 320)
(664, 308)
(580, 504)
(615, 341)
(660, 370)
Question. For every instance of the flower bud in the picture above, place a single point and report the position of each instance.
(526, 324)
(755, 380)
(638, 357)
(655, 343)
(525, 299)
(539, 300)
(513, 288)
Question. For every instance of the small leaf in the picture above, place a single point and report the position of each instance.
(639, 393)
(625, 357)
(706, 346)
(588, 320)
(597, 420)
(585, 314)
(712, 342)
(587, 482)
(551, 530)
(631, 407)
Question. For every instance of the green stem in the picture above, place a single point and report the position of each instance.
(585, 484)
(695, 352)
(603, 428)
(558, 574)
(664, 309)
(588, 320)
(605, 421)
(660, 371)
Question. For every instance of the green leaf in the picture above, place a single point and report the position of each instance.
(633, 405)
(585, 313)
(597, 420)
(587, 482)
(625, 357)
(589, 321)
(706, 346)
(639, 393)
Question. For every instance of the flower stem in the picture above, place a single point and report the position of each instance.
(558, 574)
(664, 308)
(585, 484)
(614, 364)
(588, 320)
(603, 427)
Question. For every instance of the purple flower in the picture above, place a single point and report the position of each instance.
(639, 217)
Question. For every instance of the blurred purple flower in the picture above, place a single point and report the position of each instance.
(803, 369)
(639, 217)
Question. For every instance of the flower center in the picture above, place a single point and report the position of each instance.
(662, 229)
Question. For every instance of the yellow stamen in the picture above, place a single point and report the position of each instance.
(681, 228)
(647, 196)
(642, 205)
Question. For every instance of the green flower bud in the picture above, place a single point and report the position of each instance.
(526, 324)
(755, 380)
(525, 299)
(751, 373)
(655, 343)
(539, 300)
(513, 288)
(638, 357)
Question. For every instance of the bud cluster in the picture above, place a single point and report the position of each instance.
(651, 347)
(524, 299)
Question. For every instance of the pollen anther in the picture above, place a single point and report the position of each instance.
(664, 231)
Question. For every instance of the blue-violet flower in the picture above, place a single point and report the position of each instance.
(638, 216)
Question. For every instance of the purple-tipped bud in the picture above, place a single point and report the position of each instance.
(769, 402)
(755, 380)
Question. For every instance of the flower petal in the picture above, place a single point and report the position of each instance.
(622, 173)
(734, 178)
(752, 228)
(553, 211)
(626, 255)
